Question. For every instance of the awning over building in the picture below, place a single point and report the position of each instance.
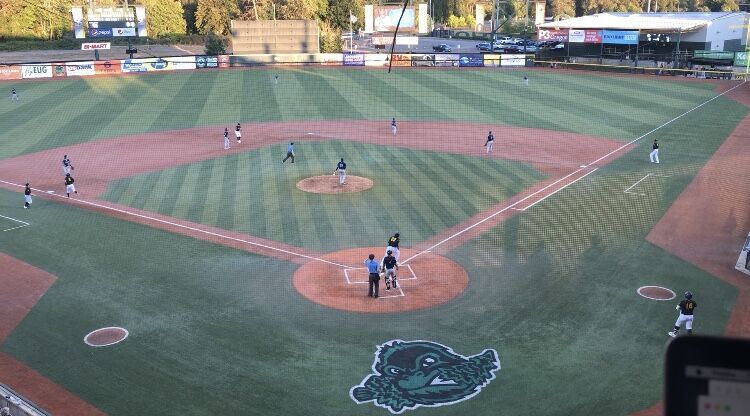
(665, 22)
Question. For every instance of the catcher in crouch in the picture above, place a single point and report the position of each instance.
(390, 265)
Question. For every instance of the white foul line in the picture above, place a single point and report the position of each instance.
(189, 228)
(587, 164)
(25, 224)
(627, 191)
(556, 191)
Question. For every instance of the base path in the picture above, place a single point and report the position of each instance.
(22, 286)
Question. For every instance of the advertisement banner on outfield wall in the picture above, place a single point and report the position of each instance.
(556, 35)
(471, 60)
(353, 59)
(422, 60)
(223, 61)
(10, 72)
(592, 36)
(330, 58)
(376, 60)
(107, 67)
(206, 62)
(447, 59)
(79, 69)
(58, 70)
(620, 37)
(36, 71)
(146, 65)
(401, 60)
(492, 60)
(512, 60)
(182, 62)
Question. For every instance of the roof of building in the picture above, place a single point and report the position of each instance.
(684, 22)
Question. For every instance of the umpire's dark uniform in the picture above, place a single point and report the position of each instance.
(374, 277)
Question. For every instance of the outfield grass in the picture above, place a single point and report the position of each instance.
(213, 329)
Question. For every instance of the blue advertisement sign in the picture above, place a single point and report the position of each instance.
(354, 59)
(129, 65)
(471, 59)
(100, 33)
(620, 37)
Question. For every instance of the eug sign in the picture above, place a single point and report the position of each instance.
(37, 71)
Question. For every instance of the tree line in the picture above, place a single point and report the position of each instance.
(51, 19)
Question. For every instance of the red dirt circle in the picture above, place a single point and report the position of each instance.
(105, 336)
(425, 281)
(656, 293)
(329, 184)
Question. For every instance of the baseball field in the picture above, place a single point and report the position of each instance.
(230, 287)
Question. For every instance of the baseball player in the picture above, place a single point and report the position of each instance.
(490, 141)
(393, 126)
(226, 138)
(525, 81)
(341, 169)
(67, 166)
(390, 265)
(654, 156)
(393, 246)
(69, 187)
(238, 133)
(687, 308)
(289, 152)
(276, 79)
(13, 95)
(27, 196)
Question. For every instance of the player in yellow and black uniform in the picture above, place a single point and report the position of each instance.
(69, 187)
(687, 308)
(393, 243)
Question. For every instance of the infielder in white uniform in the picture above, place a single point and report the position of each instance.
(238, 133)
(654, 155)
(226, 138)
(393, 126)
(490, 141)
(67, 166)
(341, 169)
(27, 196)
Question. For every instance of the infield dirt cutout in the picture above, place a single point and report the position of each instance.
(427, 280)
(329, 184)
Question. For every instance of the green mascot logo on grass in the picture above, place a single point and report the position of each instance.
(410, 374)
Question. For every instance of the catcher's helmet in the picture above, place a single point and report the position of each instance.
(390, 252)
(397, 234)
(688, 295)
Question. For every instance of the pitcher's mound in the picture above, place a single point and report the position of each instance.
(329, 184)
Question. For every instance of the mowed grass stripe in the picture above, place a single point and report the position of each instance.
(153, 195)
(225, 205)
(258, 103)
(209, 210)
(332, 103)
(363, 100)
(186, 195)
(172, 193)
(294, 96)
(182, 98)
(289, 221)
(133, 187)
(408, 105)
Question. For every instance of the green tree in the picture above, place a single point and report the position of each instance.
(562, 8)
(338, 13)
(188, 12)
(215, 16)
(44, 19)
(165, 17)
(303, 9)
(330, 38)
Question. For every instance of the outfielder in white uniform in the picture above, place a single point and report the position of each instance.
(687, 308)
(393, 126)
(341, 169)
(238, 133)
(13, 95)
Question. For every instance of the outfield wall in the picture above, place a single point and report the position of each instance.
(208, 62)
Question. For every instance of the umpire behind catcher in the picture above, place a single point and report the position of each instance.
(374, 277)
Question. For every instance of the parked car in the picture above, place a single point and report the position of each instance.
(441, 48)
(484, 46)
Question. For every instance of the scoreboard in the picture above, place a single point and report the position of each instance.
(110, 22)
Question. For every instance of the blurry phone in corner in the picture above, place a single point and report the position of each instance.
(707, 376)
